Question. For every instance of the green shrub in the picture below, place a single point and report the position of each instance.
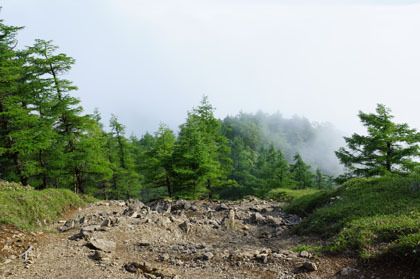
(288, 195)
(305, 205)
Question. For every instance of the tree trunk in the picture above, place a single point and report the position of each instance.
(122, 159)
(168, 185)
(44, 173)
(209, 188)
(19, 169)
(388, 157)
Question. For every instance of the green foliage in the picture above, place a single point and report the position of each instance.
(159, 160)
(201, 153)
(28, 209)
(125, 180)
(373, 216)
(388, 147)
(305, 205)
(288, 195)
(301, 173)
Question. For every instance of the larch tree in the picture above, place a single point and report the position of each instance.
(300, 173)
(160, 160)
(125, 179)
(387, 148)
(201, 153)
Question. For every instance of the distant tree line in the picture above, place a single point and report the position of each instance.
(47, 141)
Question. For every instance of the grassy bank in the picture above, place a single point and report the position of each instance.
(29, 209)
(373, 217)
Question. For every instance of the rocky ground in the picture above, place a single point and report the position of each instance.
(180, 239)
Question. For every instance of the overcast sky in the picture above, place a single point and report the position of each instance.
(151, 61)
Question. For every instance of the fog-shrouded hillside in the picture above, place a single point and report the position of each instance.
(315, 142)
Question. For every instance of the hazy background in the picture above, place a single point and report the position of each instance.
(151, 61)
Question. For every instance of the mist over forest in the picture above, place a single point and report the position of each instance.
(315, 142)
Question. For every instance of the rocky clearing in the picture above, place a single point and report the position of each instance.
(180, 239)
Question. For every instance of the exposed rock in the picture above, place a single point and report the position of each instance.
(292, 220)
(187, 205)
(101, 244)
(207, 256)
(163, 221)
(185, 227)
(100, 256)
(181, 205)
(107, 223)
(90, 229)
(82, 220)
(230, 220)
(222, 206)
(348, 271)
(304, 254)
(262, 258)
(70, 224)
(133, 214)
(310, 266)
(132, 267)
(257, 218)
(134, 207)
(274, 221)
(164, 257)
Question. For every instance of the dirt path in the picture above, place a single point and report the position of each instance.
(203, 240)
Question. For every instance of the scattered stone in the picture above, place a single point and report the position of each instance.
(207, 256)
(70, 224)
(90, 229)
(132, 267)
(185, 227)
(82, 220)
(222, 206)
(107, 223)
(143, 244)
(292, 220)
(187, 205)
(304, 254)
(274, 221)
(277, 255)
(163, 221)
(262, 258)
(257, 218)
(181, 205)
(147, 267)
(101, 244)
(164, 257)
(310, 266)
(99, 255)
(230, 220)
(348, 271)
(134, 206)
